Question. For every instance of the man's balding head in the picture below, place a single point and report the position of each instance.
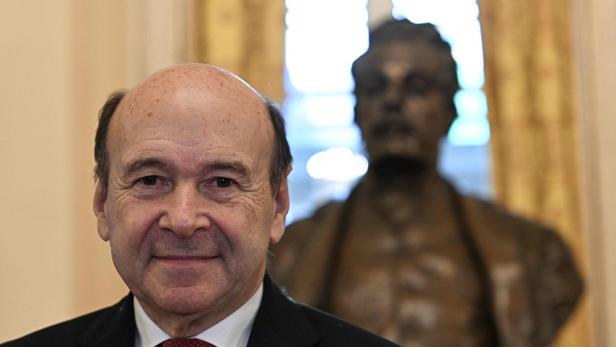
(192, 190)
(198, 78)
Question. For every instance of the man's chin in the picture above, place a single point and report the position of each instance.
(186, 301)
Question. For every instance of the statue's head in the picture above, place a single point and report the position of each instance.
(404, 88)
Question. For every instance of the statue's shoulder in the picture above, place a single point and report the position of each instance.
(528, 260)
(502, 234)
(489, 216)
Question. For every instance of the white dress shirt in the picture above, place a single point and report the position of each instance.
(233, 331)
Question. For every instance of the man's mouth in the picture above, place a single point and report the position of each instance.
(184, 259)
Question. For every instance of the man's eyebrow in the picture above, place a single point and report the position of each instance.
(141, 163)
(214, 165)
(224, 165)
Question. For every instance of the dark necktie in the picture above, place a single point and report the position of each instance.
(185, 343)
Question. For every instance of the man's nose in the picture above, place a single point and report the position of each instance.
(185, 212)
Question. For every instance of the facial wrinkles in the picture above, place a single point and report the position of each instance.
(163, 85)
(210, 242)
(252, 185)
(214, 144)
(187, 119)
(246, 193)
(247, 190)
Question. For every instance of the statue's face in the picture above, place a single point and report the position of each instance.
(402, 108)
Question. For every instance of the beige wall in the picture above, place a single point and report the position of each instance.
(58, 62)
(595, 31)
(36, 197)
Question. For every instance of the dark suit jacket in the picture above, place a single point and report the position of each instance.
(279, 322)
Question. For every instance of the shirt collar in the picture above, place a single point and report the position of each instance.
(233, 331)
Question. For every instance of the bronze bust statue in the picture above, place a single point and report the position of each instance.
(407, 256)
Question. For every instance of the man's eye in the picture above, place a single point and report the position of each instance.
(223, 182)
(150, 180)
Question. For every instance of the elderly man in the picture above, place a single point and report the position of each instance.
(406, 256)
(192, 171)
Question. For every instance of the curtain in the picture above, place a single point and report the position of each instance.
(247, 38)
(528, 62)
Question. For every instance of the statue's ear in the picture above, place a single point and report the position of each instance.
(356, 116)
(448, 118)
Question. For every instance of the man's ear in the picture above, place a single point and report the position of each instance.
(281, 199)
(100, 196)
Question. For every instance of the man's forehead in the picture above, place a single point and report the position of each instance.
(199, 81)
(189, 102)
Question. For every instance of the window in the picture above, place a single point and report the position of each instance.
(323, 38)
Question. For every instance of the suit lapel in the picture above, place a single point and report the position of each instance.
(114, 327)
(280, 322)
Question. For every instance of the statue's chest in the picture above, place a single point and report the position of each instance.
(418, 285)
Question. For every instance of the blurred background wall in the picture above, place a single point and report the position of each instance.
(59, 61)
